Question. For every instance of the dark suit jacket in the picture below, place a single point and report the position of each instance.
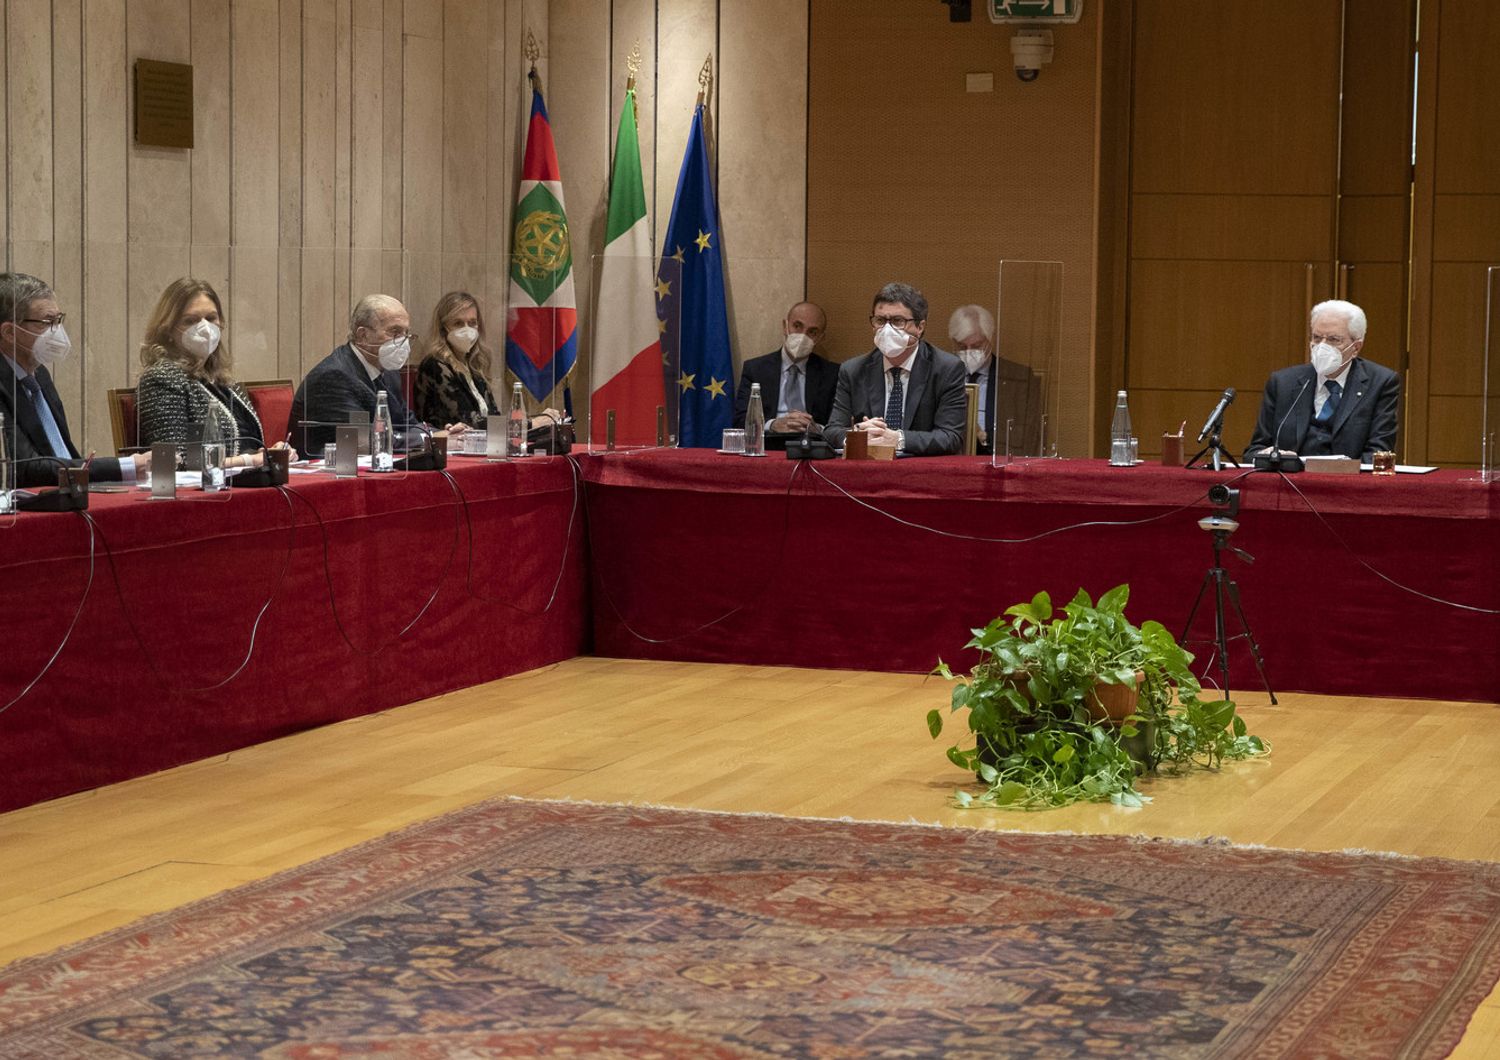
(934, 408)
(1364, 423)
(819, 382)
(1020, 393)
(23, 429)
(337, 386)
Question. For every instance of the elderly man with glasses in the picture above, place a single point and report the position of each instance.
(1337, 403)
(905, 391)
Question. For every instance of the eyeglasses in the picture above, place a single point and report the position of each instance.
(47, 322)
(896, 322)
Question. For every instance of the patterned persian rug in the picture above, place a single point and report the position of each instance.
(534, 929)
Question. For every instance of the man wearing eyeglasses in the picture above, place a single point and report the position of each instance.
(33, 342)
(1338, 403)
(905, 392)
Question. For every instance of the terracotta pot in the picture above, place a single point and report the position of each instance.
(1114, 703)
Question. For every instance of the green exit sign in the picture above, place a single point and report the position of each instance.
(1035, 10)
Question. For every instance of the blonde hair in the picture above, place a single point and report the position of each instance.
(161, 333)
(477, 361)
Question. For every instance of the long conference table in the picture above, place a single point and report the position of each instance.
(390, 589)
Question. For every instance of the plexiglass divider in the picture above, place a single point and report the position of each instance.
(1489, 398)
(634, 378)
(1020, 417)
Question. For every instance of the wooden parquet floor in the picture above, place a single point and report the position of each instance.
(1389, 775)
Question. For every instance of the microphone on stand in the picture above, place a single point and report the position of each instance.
(1275, 460)
(1217, 414)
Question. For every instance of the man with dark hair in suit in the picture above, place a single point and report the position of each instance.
(906, 391)
(347, 380)
(1009, 393)
(796, 383)
(32, 341)
(1338, 404)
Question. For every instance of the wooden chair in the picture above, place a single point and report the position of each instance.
(122, 421)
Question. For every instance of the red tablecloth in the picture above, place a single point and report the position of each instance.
(194, 572)
(703, 557)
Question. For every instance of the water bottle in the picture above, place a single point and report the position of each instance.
(755, 424)
(515, 428)
(382, 438)
(5, 486)
(1119, 434)
(212, 476)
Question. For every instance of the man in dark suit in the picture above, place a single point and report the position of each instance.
(347, 379)
(796, 383)
(36, 426)
(1339, 404)
(1008, 392)
(906, 391)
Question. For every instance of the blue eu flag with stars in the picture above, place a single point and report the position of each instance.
(690, 302)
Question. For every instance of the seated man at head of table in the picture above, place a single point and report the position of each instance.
(347, 379)
(905, 392)
(796, 383)
(1337, 404)
(1017, 387)
(33, 342)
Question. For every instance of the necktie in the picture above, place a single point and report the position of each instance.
(894, 402)
(795, 401)
(1330, 406)
(973, 377)
(44, 413)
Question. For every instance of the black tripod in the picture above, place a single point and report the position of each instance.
(1221, 526)
(1214, 451)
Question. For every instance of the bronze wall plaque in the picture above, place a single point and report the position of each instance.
(163, 104)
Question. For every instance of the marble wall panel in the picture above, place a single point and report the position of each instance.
(688, 33)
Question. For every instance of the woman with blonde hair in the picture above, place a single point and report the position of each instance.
(187, 378)
(452, 384)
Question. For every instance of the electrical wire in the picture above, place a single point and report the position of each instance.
(260, 613)
(333, 602)
(786, 521)
(88, 586)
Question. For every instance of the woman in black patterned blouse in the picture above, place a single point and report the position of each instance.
(453, 379)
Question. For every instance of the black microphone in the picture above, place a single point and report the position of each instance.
(1217, 413)
(1274, 461)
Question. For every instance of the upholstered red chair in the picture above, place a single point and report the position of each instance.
(122, 423)
(272, 399)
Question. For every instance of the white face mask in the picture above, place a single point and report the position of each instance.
(892, 341)
(797, 346)
(1327, 359)
(462, 340)
(974, 360)
(51, 346)
(201, 340)
(393, 354)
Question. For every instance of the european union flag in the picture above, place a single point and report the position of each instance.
(690, 302)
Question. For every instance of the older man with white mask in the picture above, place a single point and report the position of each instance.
(1337, 403)
(1010, 394)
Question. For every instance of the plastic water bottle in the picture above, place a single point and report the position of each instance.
(382, 438)
(1119, 434)
(755, 424)
(515, 428)
(212, 476)
(5, 486)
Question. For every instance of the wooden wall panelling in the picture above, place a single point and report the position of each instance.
(584, 130)
(158, 205)
(254, 326)
(209, 159)
(463, 150)
(66, 211)
(322, 325)
(763, 167)
(105, 129)
(293, 356)
(367, 152)
(30, 106)
(422, 158)
(343, 108)
(688, 32)
(911, 177)
(393, 78)
(1112, 182)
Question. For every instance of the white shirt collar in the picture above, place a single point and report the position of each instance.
(374, 371)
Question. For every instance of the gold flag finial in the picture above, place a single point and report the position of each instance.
(633, 64)
(533, 51)
(706, 78)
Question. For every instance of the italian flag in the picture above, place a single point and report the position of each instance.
(541, 335)
(627, 368)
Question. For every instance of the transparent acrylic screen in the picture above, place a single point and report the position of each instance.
(1020, 417)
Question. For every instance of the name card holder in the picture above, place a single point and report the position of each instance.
(495, 427)
(164, 471)
(346, 450)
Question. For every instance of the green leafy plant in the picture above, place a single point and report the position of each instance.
(1033, 703)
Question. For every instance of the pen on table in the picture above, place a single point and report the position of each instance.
(1183, 429)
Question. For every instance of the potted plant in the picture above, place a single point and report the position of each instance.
(1040, 702)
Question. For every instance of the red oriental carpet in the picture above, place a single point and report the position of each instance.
(533, 929)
